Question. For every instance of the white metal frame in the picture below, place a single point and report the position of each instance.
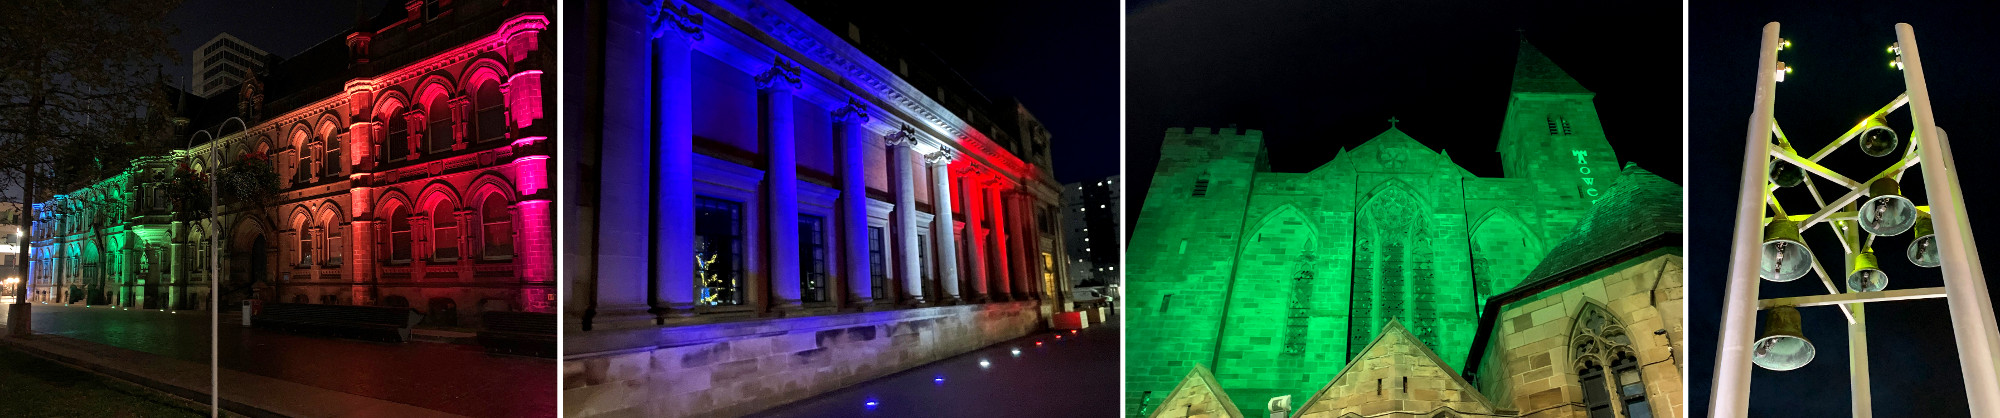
(1964, 287)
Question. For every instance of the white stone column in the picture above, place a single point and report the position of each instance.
(851, 144)
(665, 259)
(902, 165)
(975, 235)
(942, 226)
(998, 284)
(781, 198)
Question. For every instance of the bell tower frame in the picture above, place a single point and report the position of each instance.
(1964, 287)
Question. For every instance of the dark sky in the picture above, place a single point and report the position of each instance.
(279, 27)
(1841, 74)
(1316, 76)
(1060, 58)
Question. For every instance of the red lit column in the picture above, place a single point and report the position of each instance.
(902, 163)
(942, 226)
(536, 246)
(975, 235)
(1017, 244)
(781, 199)
(998, 285)
(850, 143)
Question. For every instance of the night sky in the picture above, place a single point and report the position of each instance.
(1060, 58)
(1841, 74)
(1317, 76)
(279, 27)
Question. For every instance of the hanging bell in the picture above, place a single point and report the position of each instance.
(1876, 138)
(1785, 174)
(1924, 251)
(1783, 345)
(1864, 273)
(1886, 212)
(1786, 257)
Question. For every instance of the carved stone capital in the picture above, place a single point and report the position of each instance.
(781, 70)
(944, 156)
(672, 17)
(853, 112)
(905, 136)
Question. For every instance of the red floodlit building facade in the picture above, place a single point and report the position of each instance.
(409, 173)
(743, 181)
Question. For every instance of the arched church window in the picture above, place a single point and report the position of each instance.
(492, 111)
(1606, 366)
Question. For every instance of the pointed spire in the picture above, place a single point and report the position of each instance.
(1535, 73)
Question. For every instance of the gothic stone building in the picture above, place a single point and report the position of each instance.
(1381, 275)
(412, 158)
(764, 209)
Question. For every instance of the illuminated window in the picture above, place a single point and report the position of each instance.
(497, 227)
(444, 232)
(718, 230)
(1607, 367)
(492, 112)
(878, 270)
(812, 259)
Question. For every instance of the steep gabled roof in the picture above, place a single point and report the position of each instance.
(1535, 73)
(1639, 207)
(1197, 395)
(1395, 349)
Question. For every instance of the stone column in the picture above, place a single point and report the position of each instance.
(850, 138)
(975, 236)
(1017, 246)
(942, 226)
(535, 245)
(361, 261)
(901, 165)
(651, 268)
(997, 284)
(781, 192)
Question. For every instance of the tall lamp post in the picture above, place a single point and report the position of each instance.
(1771, 247)
(214, 261)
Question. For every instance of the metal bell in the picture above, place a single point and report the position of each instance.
(1784, 174)
(1924, 251)
(1864, 273)
(1876, 138)
(1786, 256)
(1886, 212)
(1784, 345)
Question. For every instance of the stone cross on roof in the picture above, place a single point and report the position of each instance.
(1392, 122)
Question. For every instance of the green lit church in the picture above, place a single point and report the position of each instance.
(1392, 282)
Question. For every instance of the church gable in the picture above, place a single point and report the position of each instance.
(1393, 151)
(1396, 373)
(1198, 395)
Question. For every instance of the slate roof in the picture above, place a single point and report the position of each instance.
(1639, 207)
(1535, 73)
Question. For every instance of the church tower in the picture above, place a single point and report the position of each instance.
(1552, 138)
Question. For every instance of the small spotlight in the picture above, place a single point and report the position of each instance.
(871, 404)
(1058, 336)
(1038, 343)
(1017, 351)
(939, 379)
(985, 364)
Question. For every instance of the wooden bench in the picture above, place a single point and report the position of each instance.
(345, 321)
(524, 333)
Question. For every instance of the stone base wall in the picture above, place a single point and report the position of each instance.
(737, 368)
(1536, 374)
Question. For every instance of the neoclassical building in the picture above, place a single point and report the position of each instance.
(763, 209)
(412, 159)
(1390, 281)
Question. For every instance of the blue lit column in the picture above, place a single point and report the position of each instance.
(902, 165)
(781, 197)
(666, 273)
(942, 228)
(850, 138)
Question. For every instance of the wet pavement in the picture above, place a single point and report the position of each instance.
(458, 379)
(1075, 376)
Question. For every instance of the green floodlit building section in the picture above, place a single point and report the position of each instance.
(1274, 281)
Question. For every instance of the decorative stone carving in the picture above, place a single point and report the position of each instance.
(780, 70)
(672, 16)
(854, 112)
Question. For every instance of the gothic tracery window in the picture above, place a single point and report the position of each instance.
(1607, 366)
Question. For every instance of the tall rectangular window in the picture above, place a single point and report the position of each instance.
(878, 269)
(812, 259)
(718, 230)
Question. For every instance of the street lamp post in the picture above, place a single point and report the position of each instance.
(1772, 250)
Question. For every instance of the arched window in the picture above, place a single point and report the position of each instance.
(305, 170)
(444, 232)
(399, 234)
(330, 240)
(305, 241)
(399, 136)
(492, 111)
(1606, 366)
(497, 227)
(331, 164)
(439, 131)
